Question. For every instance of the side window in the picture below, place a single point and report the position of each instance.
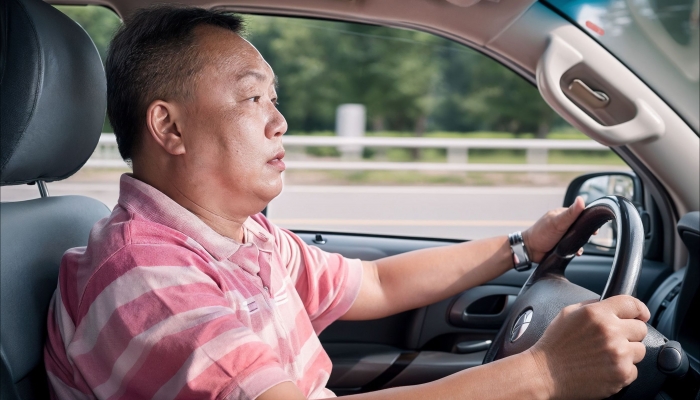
(443, 141)
(391, 131)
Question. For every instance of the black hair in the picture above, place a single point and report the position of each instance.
(153, 56)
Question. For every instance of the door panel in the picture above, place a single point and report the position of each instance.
(429, 343)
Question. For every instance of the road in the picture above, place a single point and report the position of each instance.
(446, 212)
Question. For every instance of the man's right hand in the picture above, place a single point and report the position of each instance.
(590, 349)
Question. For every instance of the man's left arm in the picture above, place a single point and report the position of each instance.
(419, 278)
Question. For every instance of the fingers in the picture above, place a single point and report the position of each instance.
(580, 252)
(569, 215)
(633, 329)
(638, 351)
(627, 307)
(578, 206)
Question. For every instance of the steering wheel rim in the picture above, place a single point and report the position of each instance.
(547, 290)
(629, 248)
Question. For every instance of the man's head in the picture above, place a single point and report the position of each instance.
(154, 55)
(193, 105)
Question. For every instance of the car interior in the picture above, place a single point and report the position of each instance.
(52, 108)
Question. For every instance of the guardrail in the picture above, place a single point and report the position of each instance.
(107, 156)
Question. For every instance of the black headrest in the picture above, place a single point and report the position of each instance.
(53, 94)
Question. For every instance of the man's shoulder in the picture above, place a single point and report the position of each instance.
(121, 243)
(126, 232)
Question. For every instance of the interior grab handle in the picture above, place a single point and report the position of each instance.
(589, 96)
(557, 59)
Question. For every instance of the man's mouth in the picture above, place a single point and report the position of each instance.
(277, 162)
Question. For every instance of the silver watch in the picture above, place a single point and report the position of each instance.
(521, 260)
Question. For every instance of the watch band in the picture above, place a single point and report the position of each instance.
(521, 260)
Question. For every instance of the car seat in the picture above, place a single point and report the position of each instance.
(52, 107)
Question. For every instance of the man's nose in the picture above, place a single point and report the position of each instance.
(277, 125)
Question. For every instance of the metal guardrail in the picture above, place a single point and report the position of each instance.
(107, 156)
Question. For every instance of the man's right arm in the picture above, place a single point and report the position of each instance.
(589, 351)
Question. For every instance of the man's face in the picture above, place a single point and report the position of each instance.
(232, 129)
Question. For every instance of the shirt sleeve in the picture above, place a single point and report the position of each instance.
(157, 325)
(327, 283)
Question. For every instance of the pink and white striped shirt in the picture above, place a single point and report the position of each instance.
(159, 305)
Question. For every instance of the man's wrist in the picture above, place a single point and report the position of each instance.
(536, 364)
(519, 251)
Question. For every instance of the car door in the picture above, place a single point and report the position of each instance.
(432, 342)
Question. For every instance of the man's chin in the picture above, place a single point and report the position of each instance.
(271, 191)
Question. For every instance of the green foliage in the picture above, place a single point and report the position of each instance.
(324, 64)
(504, 101)
(408, 80)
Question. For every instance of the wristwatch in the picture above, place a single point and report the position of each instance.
(521, 260)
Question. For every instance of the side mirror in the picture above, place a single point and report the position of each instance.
(594, 186)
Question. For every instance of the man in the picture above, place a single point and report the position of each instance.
(187, 291)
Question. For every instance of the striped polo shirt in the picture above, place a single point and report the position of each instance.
(159, 305)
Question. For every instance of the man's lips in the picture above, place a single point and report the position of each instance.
(277, 162)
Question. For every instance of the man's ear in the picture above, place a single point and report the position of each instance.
(163, 124)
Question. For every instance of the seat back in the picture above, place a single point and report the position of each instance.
(34, 234)
(52, 107)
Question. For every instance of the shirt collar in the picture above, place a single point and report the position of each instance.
(153, 205)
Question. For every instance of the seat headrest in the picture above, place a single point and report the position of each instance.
(53, 94)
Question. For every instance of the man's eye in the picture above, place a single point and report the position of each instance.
(275, 102)
(254, 99)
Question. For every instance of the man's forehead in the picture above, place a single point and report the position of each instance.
(236, 53)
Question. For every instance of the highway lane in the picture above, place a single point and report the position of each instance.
(446, 212)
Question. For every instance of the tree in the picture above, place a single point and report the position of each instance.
(506, 101)
(325, 64)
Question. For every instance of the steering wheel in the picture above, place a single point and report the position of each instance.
(547, 290)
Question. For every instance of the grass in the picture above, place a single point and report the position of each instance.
(561, 134)
(475, 156)
(478, 156)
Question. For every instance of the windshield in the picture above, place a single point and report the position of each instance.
(657, 39)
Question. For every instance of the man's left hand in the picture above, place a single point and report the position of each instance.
(548, 230)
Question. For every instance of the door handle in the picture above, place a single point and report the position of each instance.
(489, 320)
(472, 346)
(497, 300)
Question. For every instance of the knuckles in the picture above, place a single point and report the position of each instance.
(568, 310)
(593, 315)
(618, 355)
